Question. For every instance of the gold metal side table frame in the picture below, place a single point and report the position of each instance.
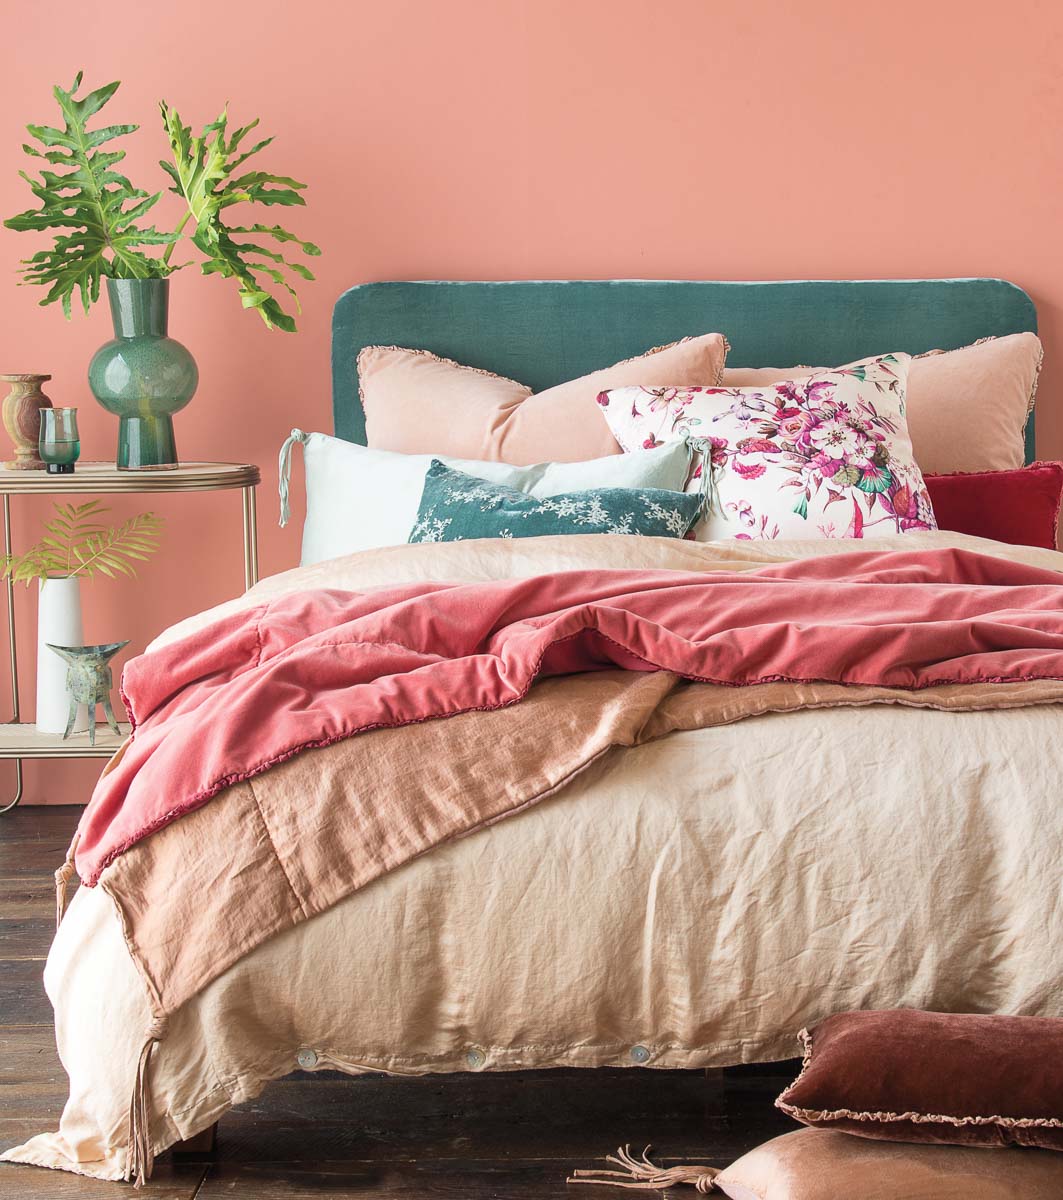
(19, 739)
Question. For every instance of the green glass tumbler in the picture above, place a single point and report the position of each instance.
(59, 445)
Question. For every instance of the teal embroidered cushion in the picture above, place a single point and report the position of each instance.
(456, 507)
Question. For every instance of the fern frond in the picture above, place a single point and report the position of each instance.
(76, 544)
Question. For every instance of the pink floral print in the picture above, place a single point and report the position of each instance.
(827, 456)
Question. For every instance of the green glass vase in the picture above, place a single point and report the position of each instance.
(141, 375)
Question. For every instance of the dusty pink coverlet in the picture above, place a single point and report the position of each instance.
(232, 700)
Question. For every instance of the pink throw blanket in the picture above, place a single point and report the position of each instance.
(234, 699)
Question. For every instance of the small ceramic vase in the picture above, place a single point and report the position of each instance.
(142, 375)
(22, 419)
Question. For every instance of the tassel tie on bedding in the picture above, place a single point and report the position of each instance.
(284, 470)
(640, 1174)
(141, 1149)
(62, 877)
(708, 475)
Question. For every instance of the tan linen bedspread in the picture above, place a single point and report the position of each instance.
(716, 961)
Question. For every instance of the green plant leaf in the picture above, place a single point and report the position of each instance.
(203, 172)
(91, 208)
(84, 548)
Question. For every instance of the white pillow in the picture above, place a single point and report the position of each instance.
(360, 499)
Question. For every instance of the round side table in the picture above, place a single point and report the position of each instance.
(20, 739)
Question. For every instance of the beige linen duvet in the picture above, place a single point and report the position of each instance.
(690, 901)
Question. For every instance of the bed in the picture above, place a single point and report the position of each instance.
(816, 857)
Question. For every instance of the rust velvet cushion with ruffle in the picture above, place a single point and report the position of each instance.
(911, 1076)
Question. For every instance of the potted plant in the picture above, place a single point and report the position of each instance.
(95, 215)
(75, 547)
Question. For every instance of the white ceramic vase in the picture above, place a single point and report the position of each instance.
(58, 622)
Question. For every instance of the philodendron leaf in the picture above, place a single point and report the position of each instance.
(92, 207)
(203, 174)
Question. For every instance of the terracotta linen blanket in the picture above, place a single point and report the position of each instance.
(278, 847)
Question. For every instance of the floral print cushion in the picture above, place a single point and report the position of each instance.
(456, 507)
(825, 456)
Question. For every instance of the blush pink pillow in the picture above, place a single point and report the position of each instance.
(418, 403)
(822, 1164)
(966, 409)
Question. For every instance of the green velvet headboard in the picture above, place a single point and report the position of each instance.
(543, 332)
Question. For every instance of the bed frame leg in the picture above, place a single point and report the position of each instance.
(204, 1142)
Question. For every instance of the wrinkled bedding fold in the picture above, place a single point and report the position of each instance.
(252, 689)
(272, 852)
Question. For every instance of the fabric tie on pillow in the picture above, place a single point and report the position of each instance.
(284, 470)
(704, 476)
(358, 498)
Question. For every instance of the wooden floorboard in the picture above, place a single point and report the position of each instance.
(22, 997)
(505, 1137)
(169, 1182)
(33, 897)
(23, 937)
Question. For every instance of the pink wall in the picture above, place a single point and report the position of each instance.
(503, 139)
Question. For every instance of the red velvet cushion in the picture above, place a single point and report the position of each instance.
(908, 1076)
(1020, 507)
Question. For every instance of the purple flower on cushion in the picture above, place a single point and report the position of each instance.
(743, 510)
(818, 392)
(663, 397)
(826, 464)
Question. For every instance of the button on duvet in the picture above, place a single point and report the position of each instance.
(306, 1059)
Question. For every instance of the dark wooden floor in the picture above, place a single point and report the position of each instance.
(509, 1137)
